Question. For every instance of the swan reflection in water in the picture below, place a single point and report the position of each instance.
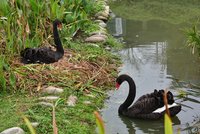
(148, 126)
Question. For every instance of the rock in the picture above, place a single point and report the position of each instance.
(98, 21)
(71, 100)
(49, 98)
(34, 124)
(112, 15)
(108, 48)
(96, 38)
(98, 33)
(103, 14)
(102, 29)
(87, 102)
(46, 104)
(102, 24)
(13, 130)
(102, 18)
(107, 9)
(52, 90)
(94, 45)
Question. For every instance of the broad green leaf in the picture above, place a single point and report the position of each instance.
(99, 123)
(168, 125)
(28, 123)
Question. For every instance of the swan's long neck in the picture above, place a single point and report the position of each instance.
(131, 95)
(57, 41)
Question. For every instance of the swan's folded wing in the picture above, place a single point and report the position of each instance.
(144, 106)
(46, 55)
(150, 95)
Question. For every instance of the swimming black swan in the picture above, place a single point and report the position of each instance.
(149, 106)
(45, 55)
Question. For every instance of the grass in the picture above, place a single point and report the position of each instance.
(78, 119)
(84, 69)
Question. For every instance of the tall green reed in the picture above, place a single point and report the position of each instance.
(193, 39)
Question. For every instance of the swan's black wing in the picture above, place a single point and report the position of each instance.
(48, 56)
(154, 116)
(29, 55)
(143, 106)
(40, 55)
(153, 94)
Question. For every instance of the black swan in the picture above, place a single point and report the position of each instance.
(45, 55)
(149, 106)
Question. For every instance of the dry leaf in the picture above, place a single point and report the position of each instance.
(39, 86)
(27, 28)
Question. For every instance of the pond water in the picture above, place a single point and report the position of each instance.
(156, 57)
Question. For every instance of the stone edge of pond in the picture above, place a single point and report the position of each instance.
(100, 36)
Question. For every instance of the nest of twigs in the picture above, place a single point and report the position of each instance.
(67, 72)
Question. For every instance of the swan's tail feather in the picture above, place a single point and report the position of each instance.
(29, 55)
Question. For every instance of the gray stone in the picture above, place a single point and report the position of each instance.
(34, 124)
(52, 90)
(96, 38)
(49, 98)
(103, 13)
(46, 104)
(98, 33)
(87, 102)
(72, 100)
(102, 18)
(102, 24)
(98, 21)
(107, 9)
(108, 48)
(13, 130)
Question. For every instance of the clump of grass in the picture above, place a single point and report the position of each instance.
(193, 39)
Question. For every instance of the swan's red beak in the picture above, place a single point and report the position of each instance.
(117, 86)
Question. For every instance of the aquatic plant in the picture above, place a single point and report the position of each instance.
(99, 123)
(193, 39)
(167, 119)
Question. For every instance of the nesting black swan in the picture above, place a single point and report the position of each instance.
(149, 106)
(45, 55)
